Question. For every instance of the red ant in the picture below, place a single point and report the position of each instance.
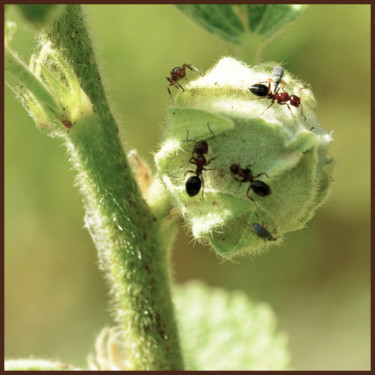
(281, 98)
(194, 183)
(259, 187)
(179, 73)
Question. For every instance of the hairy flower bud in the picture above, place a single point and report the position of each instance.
(283, 147)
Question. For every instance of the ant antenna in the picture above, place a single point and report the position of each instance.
(213, 134)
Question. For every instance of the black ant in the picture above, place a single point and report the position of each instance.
(194, 183)
(179, 73)
(281, 98)
(259, 187)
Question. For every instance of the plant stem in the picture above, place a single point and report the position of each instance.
(250, 51)
(120, 222)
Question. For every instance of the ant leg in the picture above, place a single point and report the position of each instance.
(212, 159)
(302, 112)
(187, 138)
(189, 172)
(213, 134)
(236, 179)
(288, 108)
(202, 185)
(171, 83)
(273, 102)
(277, 90)
(170, 94)
(261, 174)
(193, 160)
(179, 86)
(192, 67)
(269, 80)
(248, 195)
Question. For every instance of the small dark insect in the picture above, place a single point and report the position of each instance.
(259, 187)
(283, 98)
(194, 183)
(263, 232)
(177, 74)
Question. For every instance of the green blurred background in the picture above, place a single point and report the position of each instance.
(318, 282)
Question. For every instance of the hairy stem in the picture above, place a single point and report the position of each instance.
(120, 222)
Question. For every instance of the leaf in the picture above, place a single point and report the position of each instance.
(267, 19)
(223, 330)
(41, 15)
(232, 22)
(219, 19)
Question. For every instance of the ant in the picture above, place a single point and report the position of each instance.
(281, 98)
(179, 73)
(194, 183)
(259, 187)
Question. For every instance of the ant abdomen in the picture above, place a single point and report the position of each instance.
(193, 186)
(260, 188)
(259, 90)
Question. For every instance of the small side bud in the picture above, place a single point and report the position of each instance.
(69, 102)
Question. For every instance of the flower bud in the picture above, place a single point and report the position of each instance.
(266, 169)
(57, 102)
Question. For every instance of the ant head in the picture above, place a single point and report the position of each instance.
(201, 147)
(234, 168)
(295, 101)
(178, 72)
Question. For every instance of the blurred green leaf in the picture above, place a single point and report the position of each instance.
(232, 22)
(267, 19)
(223, 330)
(9, 30)
(41, 15)
(219, 19)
